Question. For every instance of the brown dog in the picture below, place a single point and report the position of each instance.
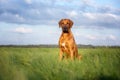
(67, 43)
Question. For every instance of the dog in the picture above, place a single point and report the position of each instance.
(67, 45)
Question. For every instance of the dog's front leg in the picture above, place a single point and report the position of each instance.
(60, 55)
(71, 55)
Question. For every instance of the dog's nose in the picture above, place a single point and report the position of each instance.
(65, 29)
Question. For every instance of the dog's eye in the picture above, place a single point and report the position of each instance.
(67, 23)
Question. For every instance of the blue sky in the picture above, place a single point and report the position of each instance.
(96, 22)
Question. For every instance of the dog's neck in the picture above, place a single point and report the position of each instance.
(67, 34)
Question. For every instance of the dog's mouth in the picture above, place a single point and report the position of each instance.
(65, 30)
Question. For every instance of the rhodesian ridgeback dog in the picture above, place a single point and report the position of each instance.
(67, 45)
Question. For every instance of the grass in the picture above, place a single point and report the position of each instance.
(43, 64)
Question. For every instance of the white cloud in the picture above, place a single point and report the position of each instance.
(113, 16)
(102, 16)
(28, 1)
(112, 37)
(89, 15)
(84, 13)
(91, 37)
(72, 13)
(23, 30)
(17, 16)
(100, 37)
(77, 34)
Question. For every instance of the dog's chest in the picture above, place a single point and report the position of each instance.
(64, 45)
(64, 42)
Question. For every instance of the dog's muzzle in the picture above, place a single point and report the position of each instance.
(65, 29)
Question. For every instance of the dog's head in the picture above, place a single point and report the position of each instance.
(65, 24)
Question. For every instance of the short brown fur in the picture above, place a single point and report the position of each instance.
(67, 45)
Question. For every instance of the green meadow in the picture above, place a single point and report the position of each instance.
(20, 63)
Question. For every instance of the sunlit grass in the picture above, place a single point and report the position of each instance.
(43, 64)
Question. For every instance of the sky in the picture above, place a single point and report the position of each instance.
(26, 22)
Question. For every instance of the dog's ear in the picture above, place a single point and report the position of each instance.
(71, 23)
(60, 22)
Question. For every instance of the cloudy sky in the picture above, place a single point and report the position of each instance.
(96, 22)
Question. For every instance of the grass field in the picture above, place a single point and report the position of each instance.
(43, 64)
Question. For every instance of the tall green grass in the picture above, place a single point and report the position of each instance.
(43, 64)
